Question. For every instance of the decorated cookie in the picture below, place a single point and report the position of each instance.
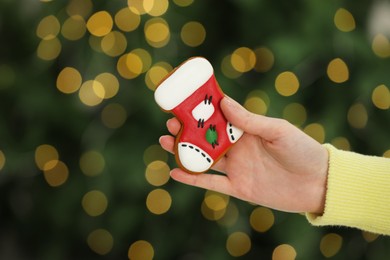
(193, 95)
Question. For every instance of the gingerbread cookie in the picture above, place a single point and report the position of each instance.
(192, 94)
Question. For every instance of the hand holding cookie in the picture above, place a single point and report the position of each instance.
(273, 164)
(193, 95)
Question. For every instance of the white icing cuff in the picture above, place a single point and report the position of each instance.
(183, 82)
(193, 158)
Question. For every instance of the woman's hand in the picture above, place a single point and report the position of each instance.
(273, 164)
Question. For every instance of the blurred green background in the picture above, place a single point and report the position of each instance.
(81, 173)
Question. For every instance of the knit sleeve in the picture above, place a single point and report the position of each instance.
(358, 192)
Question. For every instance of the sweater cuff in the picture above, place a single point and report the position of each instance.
(358, 192)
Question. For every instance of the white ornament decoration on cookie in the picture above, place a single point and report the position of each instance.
(193, 158)
(203, 111)
(179, 86)
(233, 132)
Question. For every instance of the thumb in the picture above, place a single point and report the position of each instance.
(265, 127)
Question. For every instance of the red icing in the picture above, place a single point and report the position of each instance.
(196, 135)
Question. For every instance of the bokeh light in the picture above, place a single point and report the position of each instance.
(100, 241)
(74, 28)
(49, 49)
(79, 7)
(238, 244)
(344, 20)
(193, 34)
(141, 250)
(341, 143)
(256, 104)
(114, 43)
(264, 59)
(316, 131)
(157, 32)
(155, 7)
(381, 97)
(145, 57)
(287, 83)
(369, 237)
(228, 69)
(284, 252)
(243, 59)
(157, 173)
(100, 23)
(113, 115)
(136, 6)
(338, 71)
(183, 3)
(94, 203)
(69, 80)
(130, 65)
(357, 116)
(214, 205)
(56, 173)
(295, 113)
(45, 154)
(261, 219)
(155, 153)
(91, 93)
(92, 163)
(126, 20)
(158, 201)
(229, 217)
(381, 46)
(110, 84)
(156, 73)
(330, 244)
(48, 28)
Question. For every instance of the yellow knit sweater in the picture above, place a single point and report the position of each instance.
(358, 192)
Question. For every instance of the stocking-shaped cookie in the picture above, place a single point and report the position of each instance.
(193, 95)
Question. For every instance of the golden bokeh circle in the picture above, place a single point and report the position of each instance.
(100, 241)
(94, 203)
(113, 115)
(157, 173)
(100, 23)
(238, 244)
(55, 173)
(330, 244)
(69, 80)
(140, 250)
(193, 33)
(337, 71)
(286, 83)
(158, 201)
(261, 219)
(284, 252)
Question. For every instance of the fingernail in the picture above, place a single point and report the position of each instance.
(230, 102)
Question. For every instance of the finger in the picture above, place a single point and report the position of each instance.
(173, 125)
(266, 127)
(213, 182)
(167, 142)
(220, 165)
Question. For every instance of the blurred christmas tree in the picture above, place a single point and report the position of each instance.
(81, 173)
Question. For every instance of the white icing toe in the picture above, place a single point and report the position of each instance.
(233, 132)
(193, 158)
